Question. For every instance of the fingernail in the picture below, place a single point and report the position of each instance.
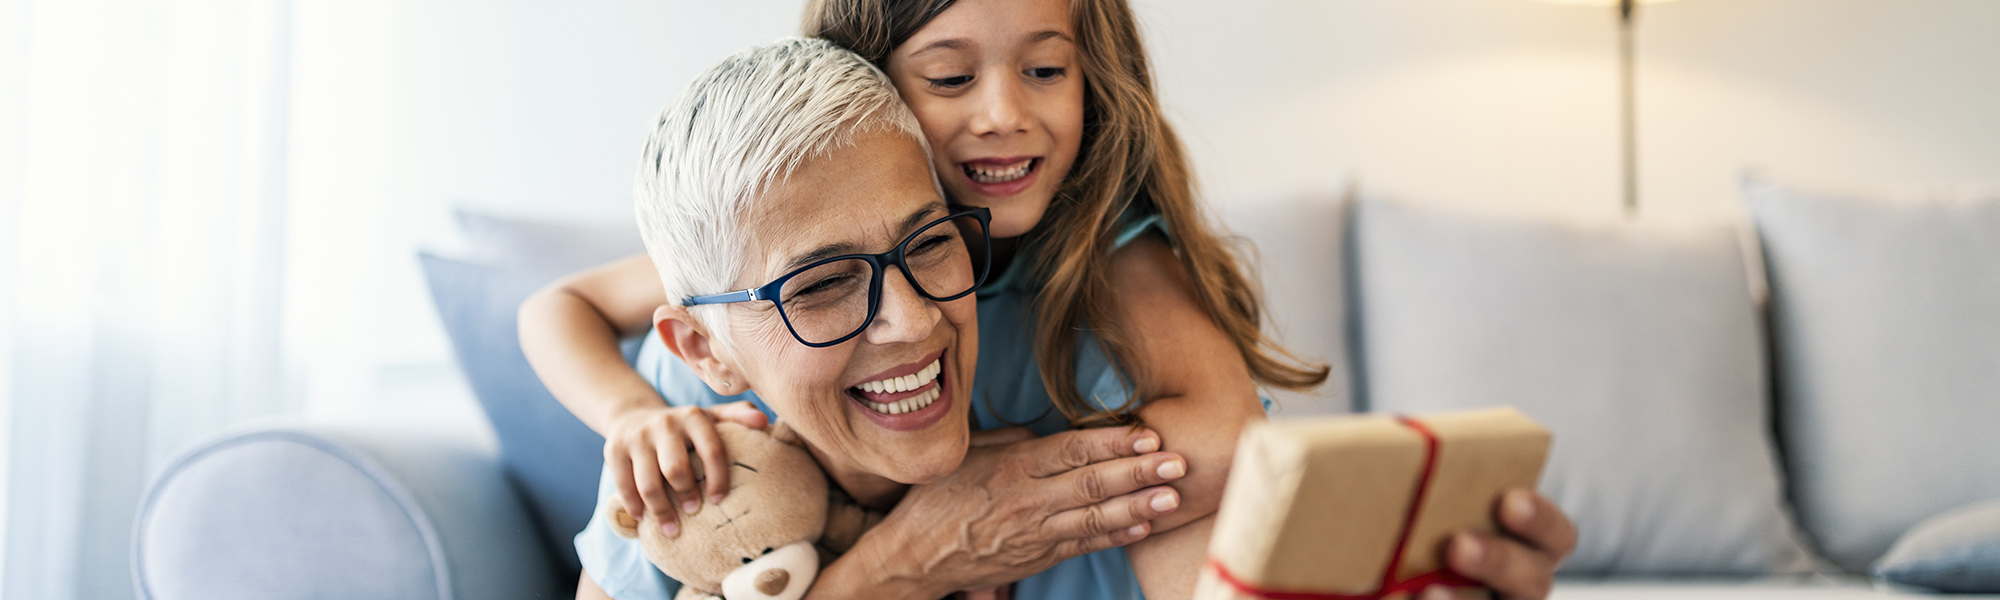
(1469, 549)
(715, 499)
(670, 529)
(1519, 508)
(690, 507)
(1165, 501)
(1172, 469)
(1136, 530)
(1146, 443)
(1436, 592)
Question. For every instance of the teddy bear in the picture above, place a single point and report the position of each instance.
(769, 537)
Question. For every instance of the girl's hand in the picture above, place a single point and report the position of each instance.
(1522, 565)
(646, 450)
(1019, 504)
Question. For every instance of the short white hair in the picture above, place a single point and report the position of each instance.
(742, 125)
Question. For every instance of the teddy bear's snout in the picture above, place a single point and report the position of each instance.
(772, 582)
(782, 574)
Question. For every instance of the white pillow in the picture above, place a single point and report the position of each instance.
(1295, 251)
(1638, 346)
(1886, 323)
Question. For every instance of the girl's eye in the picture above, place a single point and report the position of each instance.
(1046, 73)
(950, 82)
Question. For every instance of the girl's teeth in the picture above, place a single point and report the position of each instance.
(999, 175)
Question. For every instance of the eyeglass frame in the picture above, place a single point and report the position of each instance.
(880, 262)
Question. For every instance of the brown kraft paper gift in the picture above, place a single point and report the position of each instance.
(1359, 507)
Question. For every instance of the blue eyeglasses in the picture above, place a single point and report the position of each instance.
(832, 300)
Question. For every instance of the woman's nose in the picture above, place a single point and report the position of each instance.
(904, 315)
(1002, 109)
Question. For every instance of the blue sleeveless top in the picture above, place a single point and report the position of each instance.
(1007, 392)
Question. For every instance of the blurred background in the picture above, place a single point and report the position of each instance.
(210, 209)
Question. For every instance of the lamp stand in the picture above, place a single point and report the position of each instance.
(1628, 130)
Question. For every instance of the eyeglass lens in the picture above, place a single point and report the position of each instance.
(829, 301)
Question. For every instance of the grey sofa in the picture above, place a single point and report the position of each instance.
(1753, 409)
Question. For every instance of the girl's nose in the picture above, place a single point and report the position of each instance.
(1002, 109)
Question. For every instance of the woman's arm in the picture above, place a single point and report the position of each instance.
(1017, 506)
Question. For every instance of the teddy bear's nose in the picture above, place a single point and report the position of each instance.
(772, 582)
(782, 573)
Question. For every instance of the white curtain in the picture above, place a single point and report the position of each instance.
(206, 209)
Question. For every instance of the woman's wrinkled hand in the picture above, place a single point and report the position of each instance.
(1020, 504)
(1517, 566)
(646, 451)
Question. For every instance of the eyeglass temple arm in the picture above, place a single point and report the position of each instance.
(724, 298)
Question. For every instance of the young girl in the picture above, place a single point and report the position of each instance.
(1043, 112)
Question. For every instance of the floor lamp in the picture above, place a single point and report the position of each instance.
(1628, 134)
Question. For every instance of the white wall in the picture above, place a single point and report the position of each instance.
(1499, 104)
(1512, 102)
(541, 107)
(1503, 102)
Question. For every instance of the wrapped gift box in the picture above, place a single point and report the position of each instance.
(1361, 506)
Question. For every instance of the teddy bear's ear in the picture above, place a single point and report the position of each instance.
(621, 522)
(785, 434)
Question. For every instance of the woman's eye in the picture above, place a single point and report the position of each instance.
(950, 82)
(1046, 73)
(820, 287)
(929, 243)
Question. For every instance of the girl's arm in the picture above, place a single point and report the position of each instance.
(569, 332)
(1199, 396)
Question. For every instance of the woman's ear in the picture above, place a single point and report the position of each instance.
(690, 341)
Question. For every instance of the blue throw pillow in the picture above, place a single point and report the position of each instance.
(1955, 552)
(550, 457)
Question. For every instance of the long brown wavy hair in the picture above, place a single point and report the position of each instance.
(1129, 160)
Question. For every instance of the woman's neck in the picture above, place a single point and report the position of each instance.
(868, 489)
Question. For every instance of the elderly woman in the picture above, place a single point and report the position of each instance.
(787, 197)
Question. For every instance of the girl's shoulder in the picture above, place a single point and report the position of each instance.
(1135, 224)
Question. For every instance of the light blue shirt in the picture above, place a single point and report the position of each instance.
(1007, 392)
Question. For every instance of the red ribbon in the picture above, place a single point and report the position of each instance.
(1390, 585)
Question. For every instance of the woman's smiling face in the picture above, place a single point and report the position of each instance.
(849, 400)
(998, 90)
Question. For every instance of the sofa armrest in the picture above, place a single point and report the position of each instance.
(297, 510)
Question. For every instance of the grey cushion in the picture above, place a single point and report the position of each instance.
(1886, 322)
(1638, 346)
(331, 512)
(1958, 551)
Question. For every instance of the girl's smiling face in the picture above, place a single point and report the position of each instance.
(998, 90)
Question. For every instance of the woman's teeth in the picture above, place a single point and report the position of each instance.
(907, 382)
(895, 385)
(1000, 174)
(910, 404)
